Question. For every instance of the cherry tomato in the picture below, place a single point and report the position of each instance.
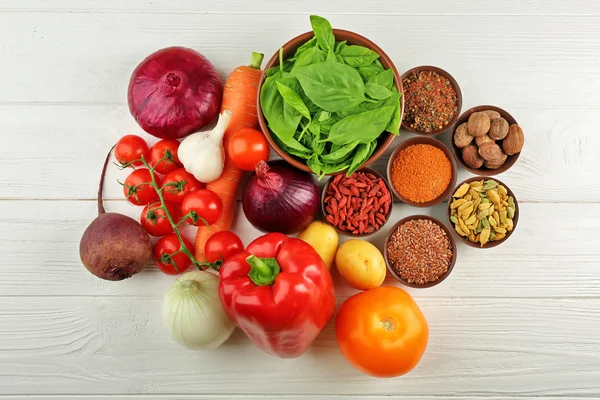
(182, 184)
(137, 188)
(155, 221)
(247, 147)
(382, 331)
(161, 149)
(222, 245)
(205, 204)
(130, 148)
(176, 264)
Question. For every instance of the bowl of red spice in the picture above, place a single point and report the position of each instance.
(432, 100)
(422, 171)
(419, 251)
(357, 205)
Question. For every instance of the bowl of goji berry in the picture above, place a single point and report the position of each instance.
(357, 205)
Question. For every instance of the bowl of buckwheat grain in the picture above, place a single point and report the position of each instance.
(419, 251)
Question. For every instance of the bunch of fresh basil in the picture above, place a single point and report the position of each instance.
(330, 102)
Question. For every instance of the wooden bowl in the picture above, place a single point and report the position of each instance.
(510, 161)
(488, 244)
(454, 84)
(391, 269)
(289, 48)
(341, 232)
(433, 142)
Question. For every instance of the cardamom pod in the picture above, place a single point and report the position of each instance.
(490, 210)
(474, 194)
(482, 214)
(462, 190)
(492, 221)
(499, 230)
(479, 226)
(492, 235)
(459, 231)
(511, 202)
(496, 217)
(465, 205)
(457, 203)
(485, 236)
(486, 223)
(467, 211)
(484, 206)
(510, 212)
(454, 219)
(509, 225)
(499, 236)
(484, 200)
(463, 226)
(468, 197)
(502, 217)
(471, 236)
(471, 220)
(476, 184)
(476, 203)
(493, 195)
(502, 190)
(489, 184)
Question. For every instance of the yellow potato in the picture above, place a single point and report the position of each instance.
(323, 238)
(361, 264)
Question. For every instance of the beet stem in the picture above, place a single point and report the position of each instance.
(101, 209)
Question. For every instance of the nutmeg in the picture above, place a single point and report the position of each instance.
(462, 137)
(498, 128)
(491, 113)
(471, 157)
(478, 124)
(496, 163)
(490, 151)
(483, 139)
(513, 142)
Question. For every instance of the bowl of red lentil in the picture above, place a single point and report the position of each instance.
(432, 100)
(419, 251)
(358, 205)
(422, 171)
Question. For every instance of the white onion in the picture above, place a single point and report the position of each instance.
(193, 313)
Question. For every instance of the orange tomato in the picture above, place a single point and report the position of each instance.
(382, 331)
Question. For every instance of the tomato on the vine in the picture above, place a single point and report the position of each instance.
(205, 205)
(247, 147)
(171, 264)
(382, 331)
(166, 148)
(178, 184)
(131, 148)
(138, 189)
(222, 245)
(155, 221)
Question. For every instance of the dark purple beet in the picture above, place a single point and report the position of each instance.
(114, 246)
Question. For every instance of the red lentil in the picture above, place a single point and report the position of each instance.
(431, 101)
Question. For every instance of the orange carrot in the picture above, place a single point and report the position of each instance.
(239, 96)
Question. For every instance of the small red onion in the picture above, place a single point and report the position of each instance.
(280, 198)
(174, 92)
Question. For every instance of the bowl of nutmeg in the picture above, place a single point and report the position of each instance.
(487, 140)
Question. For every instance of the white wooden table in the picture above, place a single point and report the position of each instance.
(518, 321)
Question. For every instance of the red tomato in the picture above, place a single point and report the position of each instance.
(166, 148)
(205, 204)
(382, 331)
(171, 265)
(247, 147)
(222, 245)
(138, 189)
(181, 183)
(130, 148)
(155, 221)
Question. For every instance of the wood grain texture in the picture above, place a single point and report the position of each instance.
(110, 345)
(56, 151)
(39, 243)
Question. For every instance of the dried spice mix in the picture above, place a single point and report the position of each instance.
(419, 251)
(421, 172)
(431, 101)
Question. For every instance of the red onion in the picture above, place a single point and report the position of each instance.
(174, 92)
(280, 198)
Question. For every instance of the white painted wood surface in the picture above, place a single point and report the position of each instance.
(518, 321)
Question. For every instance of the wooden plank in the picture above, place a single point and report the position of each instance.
(57, 152)
(265, 397)
(478, 347)
(88, 57)
(553, 253)
(463, 7)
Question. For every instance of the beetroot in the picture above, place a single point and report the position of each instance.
(174, 92)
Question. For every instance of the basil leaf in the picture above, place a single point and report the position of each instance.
(358, 56)
(378, 64)
(281, 120)
(364, 127)
(293, 147)
(339, 46)
(360, 156)
(369, 71)
(340, 153)
(287, 67)
(293, 84)
(384, 78)
(307, 45)
(311, 56)
(331, 56)
(337, 167)
(377, 91)
(293, 99)
(314, 164)
(394, 125)
(323, 32)
(331, 86)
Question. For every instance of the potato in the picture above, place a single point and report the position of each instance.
(361, 264)
(323, 238)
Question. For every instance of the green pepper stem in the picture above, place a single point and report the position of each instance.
(262, 273)
(256, 60)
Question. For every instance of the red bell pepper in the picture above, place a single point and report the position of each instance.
(279, 292)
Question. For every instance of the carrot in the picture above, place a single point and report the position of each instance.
(239, 96)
